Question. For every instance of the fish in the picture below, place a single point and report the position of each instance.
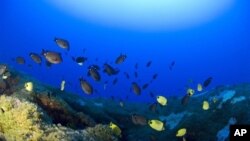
(171, 65)
(138, 119)
(161, 100)
(63, 85)
(115, 81)
(153, 107)
(136, 88)
(126, 75)
(79, 60)
(20, 60)
(115, 129)
(205, 105)
(52, 57)
(121, 103)
(28, 86)
(156, 125)
(148, 63)
(199, 87)
(93, 72)
(3, 69)
(207, 82)
(36, 58)
(151, 94)
(185, 100)
(181, 132)
(6, 75)
(136, 74)
(145, 86)
(154, 76)
(136, 66)
(62, 43)
(120, 59)
(86, 87)
(110, 70)
(105, 85)
(190, 92)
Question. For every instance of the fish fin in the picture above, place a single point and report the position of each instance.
(43, 52)
(48, 64)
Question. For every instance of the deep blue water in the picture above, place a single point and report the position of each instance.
(219, 48)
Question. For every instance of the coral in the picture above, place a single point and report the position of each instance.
(22, 120)
(173, 119)
(19, 120)
(225, 96)
(238, 99)
(223, 134)
(62, 113)
(99, 133)
(61, 133)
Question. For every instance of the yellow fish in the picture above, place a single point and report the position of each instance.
(205, 105)
(199, 88)
(63, 85)
(116, 129)
(190, 92)
(162, 100)
(181, 132)
(28, 86)
(156, 125)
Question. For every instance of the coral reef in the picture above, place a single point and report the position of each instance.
(22, 120)
(62, 113)
(19, 120)
(173, 119)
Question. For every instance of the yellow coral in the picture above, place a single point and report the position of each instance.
(19, 120)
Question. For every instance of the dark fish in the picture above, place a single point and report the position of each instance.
(126, 75)
(171, 65)
(96, 67)
(207, 82)
(138, 119)
(36, 58)
(145, 86)
(79, 60)
(48, 64)
(136, 74)
(155, 76)
(152, 94)
(52, 57)
(93, 72)
(62, 43)
(136, 66)
(86, 87)
(115, 81)
(185, 100)
(20, 60)
(136, 88)
(120, 59)
(110, 70)
(3, 69)
(153, 107)
(148, 63)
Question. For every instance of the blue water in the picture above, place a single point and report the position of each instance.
(219, 48)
